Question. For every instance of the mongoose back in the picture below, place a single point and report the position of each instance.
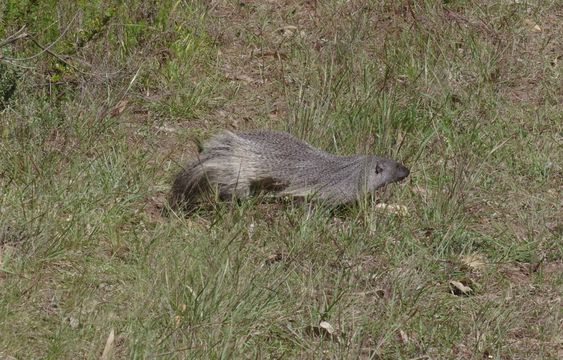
(241, 164)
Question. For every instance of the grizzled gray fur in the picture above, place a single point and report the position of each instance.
(241, 164)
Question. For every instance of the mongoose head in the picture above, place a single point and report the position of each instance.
(384, 171)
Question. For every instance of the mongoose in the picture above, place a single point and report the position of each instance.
(241, 164)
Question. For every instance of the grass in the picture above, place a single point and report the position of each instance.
(466, 93)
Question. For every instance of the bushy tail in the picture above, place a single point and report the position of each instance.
(212, 167)
(188, 185)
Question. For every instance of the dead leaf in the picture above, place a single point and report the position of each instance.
(109, 346)
(399, 210)
(403, 337)
(326, 325)
(457, 288)
(288, 30)
(324, 330)
(167, 128)
(474, 262)
(532, 25)
(118, 108)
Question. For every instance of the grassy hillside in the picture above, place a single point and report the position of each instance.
(100, 101)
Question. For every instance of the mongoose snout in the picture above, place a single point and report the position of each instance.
(246, 163)
(401, 172)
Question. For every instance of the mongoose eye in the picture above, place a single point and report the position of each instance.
(378, 169)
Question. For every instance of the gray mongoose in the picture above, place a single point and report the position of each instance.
(241, 164)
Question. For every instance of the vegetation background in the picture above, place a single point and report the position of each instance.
(100, 100)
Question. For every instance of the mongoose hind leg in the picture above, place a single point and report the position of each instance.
(229, 192)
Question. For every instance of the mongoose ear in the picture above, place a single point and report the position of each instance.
(378, 169)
